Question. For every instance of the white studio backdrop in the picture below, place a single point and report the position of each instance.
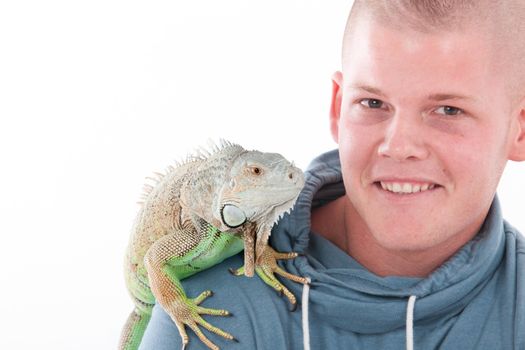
(97, 95)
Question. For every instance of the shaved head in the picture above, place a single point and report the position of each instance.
(501, 22)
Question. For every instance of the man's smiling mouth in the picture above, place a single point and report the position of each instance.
(405, 187)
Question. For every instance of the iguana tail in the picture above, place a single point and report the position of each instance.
(134, 330)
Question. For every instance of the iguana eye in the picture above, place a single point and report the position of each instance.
(256, 170)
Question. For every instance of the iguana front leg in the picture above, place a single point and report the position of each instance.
(164, 273)
(266, 267)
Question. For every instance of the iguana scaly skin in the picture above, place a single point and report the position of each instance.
(199, 213)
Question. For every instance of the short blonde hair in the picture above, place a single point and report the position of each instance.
(503, 20)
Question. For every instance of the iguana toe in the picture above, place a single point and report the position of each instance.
(187, 312)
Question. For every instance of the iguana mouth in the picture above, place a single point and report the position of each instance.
(282, 209)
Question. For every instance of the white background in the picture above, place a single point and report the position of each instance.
(97, 95)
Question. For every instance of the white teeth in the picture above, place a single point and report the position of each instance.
(398, 187)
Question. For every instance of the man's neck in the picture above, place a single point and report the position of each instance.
(337, 222)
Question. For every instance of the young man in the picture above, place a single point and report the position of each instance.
(403, 237)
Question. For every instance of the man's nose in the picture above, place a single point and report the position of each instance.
(404, 139)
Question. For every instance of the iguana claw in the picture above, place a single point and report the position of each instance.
(187, 312)
(266, 267)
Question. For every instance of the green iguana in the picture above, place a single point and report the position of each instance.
(199, 213)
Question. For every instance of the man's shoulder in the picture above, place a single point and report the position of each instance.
(225, 285)
(520, 243)
(516, 237)
(516, 270)
(255, 307)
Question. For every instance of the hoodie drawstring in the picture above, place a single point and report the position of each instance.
(304, 309)
(410, 322)
(306, 326)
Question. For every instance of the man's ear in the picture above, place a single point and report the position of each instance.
(517, 150)
(335, 107)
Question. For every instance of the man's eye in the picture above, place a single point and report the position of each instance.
(371, 103)
(448, 110)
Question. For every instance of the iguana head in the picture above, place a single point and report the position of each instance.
(242, 192)
(259, 189)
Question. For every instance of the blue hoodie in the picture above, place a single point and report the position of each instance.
(475, 300)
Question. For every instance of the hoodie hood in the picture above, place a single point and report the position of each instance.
(341, 286)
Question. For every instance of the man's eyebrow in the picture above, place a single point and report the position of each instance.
(368, 88)
(433, 97)
(442, 97)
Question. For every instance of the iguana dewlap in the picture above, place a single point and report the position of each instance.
(199, 213)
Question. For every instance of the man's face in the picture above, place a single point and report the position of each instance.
(424, 133)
